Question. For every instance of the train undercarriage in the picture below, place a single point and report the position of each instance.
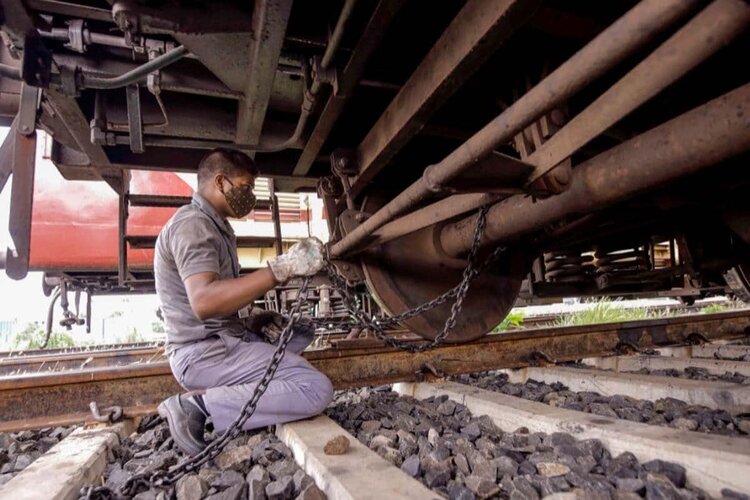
(599, 147)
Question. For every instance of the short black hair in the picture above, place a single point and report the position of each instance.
(227, 161)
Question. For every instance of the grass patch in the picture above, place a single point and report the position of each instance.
(606, 310)
(513, 321)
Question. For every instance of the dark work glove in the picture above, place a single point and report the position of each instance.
(270, 324)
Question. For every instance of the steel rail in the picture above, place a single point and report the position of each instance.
(39, 400)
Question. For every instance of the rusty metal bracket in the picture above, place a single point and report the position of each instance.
(540, 358)
(697, 338)
(624, 347)
(22, 198)
(108, 415)
(431, 369)
(36, 65)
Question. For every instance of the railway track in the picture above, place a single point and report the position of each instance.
(600, 427)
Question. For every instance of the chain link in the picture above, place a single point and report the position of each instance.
(174, 473)
(361, 319)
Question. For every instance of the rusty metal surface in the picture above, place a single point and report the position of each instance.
(371, 38)
(699, 138)
(474, 34)
(53, 399)
(70, 361)
(21, 202)
(270, 18)
(410, 271)
(713, 28)
(624, 37)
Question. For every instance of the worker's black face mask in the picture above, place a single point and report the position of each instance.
(240, 199)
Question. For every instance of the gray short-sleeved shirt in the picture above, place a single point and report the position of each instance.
(195, 240)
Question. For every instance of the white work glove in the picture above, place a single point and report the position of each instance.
(304, 258)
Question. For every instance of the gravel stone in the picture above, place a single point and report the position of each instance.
(286, 467)
(447, 407)
(481, 486)
(552, 469)
(337, 446)
(462, 464)
(391, 455)
(458, 492)
(191, 487)
(228, 478)
(235, 492)
(235, 459)
(370, 426)
(301, 480)
(660, 487)
(281, 489)
(412, 466)
(311, 492)
(22, 461)
(472, 431)
(462, 456)
(630, 485)
(674, 472)
(436, 473)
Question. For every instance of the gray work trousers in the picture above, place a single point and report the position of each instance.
(229, 369)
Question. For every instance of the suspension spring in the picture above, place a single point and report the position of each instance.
(567, 266)
(622, 261)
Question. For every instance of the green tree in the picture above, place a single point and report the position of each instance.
(32, 337)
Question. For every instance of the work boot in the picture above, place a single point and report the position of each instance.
(186, 423)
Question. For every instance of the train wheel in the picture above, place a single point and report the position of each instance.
(410, 271)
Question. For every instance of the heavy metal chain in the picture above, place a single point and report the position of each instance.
(459, 292)
(174, 473)
(472, 270)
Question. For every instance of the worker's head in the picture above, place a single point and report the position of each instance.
(226, 178)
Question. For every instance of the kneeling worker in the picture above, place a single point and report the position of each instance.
(218, 346)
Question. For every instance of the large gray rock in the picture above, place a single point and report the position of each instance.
(237, 458)
(458, 492)
(311, 492)
(481, 486)
(281, 468)
(191, 487)
(436, 473)
(236, 492)
(280, 489)
(659, 487)
(228, 478)
(674, 472)
(411, 466)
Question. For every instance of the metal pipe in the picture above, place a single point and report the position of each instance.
(699, 138)
(710, 30)
(713, 28)
(628, 34)
(338, 33)
(135, 75)
(429, 215)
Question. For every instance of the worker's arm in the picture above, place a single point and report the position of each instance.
(211, 297)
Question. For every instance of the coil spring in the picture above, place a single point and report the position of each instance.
(567, 267)
(622, 261)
